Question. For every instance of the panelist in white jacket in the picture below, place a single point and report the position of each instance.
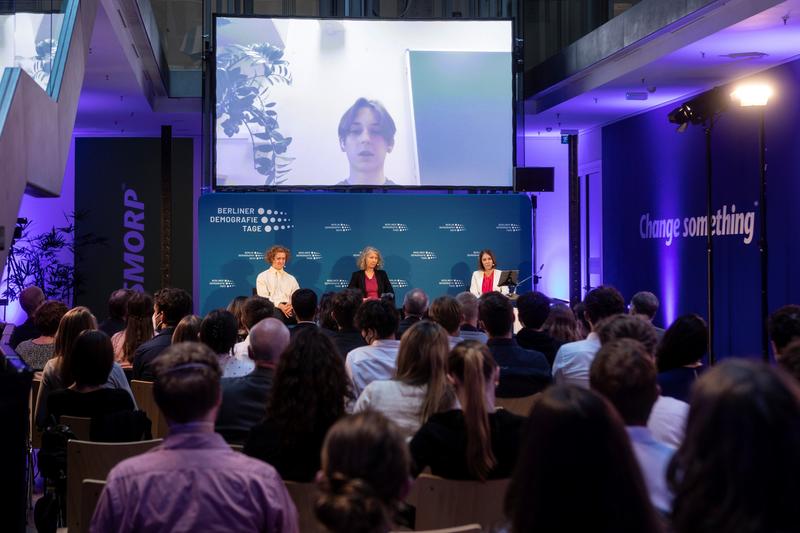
(277, 284)
(485, 279)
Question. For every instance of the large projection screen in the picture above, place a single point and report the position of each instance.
(363, 103)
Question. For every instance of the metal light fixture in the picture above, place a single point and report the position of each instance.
(752, 94)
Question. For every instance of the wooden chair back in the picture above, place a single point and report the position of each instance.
(79, 425)
(36, 434)
(94, 460)
(304, 496)
(143, 394)
(90, 495)
(518, 406)
(443, 503)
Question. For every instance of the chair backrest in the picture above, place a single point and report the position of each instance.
(469, 528)
(304, 496)
(90, 495)
(36, 434)
(94, 460)
(518, 406)
(443, 503)
(80, 426)
(143, 394)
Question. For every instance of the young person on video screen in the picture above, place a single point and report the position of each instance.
(366, 135)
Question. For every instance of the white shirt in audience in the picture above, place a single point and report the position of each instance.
(653, 457)
(454, 340)
(668, 420)
(401, 403)
(277, 285)
(373, 362)
(474, 336)
(234, 365)
(573, 361)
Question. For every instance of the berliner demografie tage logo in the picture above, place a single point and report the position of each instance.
(511, 228)
(453, 227)
(395, 227)
(452, 283)
(425, 255)
(253, 219)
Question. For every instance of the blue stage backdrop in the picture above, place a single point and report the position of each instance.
(428, 241)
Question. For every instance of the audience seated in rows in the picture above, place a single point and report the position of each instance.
(308, 395)
(522, 372)
(574, 358)
(193, 481)
(784, 327)
(253, 310)
(187, 330)
(117, 312)
(446, 311)
(345, 336)
(37, 351)
(562, 325)
(364, 476)
(170, 305)
(244, 399)
(468, 329)
(625, 373)
(377, 320)
(679, 355)
(304, 304)
(578, 471)
(645, 304)
(533, 309)
(29, 299)
(419, 387)
(236, 309)
(58, 374)
(475, 441)
(219, 331)
(138, 328)
(415, 305)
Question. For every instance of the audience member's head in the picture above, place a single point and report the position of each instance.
(790, 359)
(30, 298)
(625, 373)
(633, 327)
(603, 302)
(422, 360)
(235, 307)
(561, 324)
(737, 467)
(310, 386)
(139, 323)
(73, 323)
(218, 331)
(170, 305)
(186, 387)
(304, 303)
(364, 476)
(533, 309)
(345, 306)
(187, 330)
(117, 304)
(469, 308)
(556, 459)
(496, 314)
(255, 309)
(377, 319)
(784, 327)
(326, 319)
(473, 373)
(583, 325)
(684, 343)
(47, 317)
(415, 303)
(446, 311)
(93, 358)
(644, 303)
(268, 339)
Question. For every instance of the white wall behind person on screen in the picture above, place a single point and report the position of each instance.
(333, 63)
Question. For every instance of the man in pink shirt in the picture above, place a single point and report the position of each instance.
(193, 481)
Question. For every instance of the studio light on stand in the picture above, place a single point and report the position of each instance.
(757, 95)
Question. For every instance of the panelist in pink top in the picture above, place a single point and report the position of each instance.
(370, 279)
(486, 278)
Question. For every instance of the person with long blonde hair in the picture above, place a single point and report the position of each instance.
(419, 388)
(475, 441)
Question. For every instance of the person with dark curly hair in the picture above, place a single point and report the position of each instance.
(377, 320)
(36, 352)
(346, 337)
(170, 305)
(736, 471)
(364, 476)
(308, 396)
(218, 331)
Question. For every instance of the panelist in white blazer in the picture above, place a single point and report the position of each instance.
(485, 279)
(275, 283)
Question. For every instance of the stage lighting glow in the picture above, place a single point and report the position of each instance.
(752, 95)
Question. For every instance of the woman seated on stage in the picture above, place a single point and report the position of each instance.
(366, 135)
(485, 279)
(371, 281)
(275, 283)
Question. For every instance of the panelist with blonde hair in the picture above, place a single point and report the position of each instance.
(370, 279)
(275, 283)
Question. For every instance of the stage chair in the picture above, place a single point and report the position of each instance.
(90, 495)
(143, 394)
(469, 528)
(80, 426)
(442, 503)
(518, 406)
(94, 460)
(304, 496)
